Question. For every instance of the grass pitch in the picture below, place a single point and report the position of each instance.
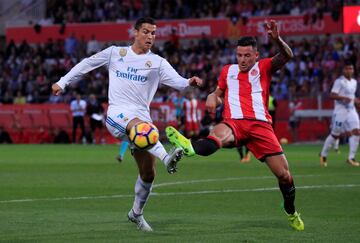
(74, 193)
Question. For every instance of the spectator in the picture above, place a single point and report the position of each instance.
(61, 136)
(4, 136)
(96, 113)
(71, 45)
(93, 46)
(78, 108)
(19, 99)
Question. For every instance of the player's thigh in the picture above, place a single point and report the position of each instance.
(224, 134)
(352, 123)
(338, 123)
(146, 164)
(279, 167)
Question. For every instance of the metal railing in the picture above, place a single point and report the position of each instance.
(23, 12)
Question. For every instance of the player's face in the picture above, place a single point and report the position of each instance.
(348, 71)
(246, 57)
(145, 36)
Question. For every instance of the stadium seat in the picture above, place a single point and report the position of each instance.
(39, 117)
(60, 119)
(7, 118)
(23, 120)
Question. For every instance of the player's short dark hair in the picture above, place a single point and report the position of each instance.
(247, 41)
(348, 62)
(145, 20)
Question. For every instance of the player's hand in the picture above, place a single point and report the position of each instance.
(357, 101)
(346, 100)
(196, 81)
(211, 103)
(271, 29)
(56, 89)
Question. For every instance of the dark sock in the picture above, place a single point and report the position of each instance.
(205, 146)
(288, 192)
(240, 150)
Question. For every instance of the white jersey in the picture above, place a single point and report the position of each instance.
(133, 79)
(347, 88)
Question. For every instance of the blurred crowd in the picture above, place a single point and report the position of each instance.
(28, 71)
(71, 11)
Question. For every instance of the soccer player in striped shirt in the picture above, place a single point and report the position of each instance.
(243, 88)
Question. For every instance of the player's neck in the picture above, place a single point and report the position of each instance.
(347, 77)
(137, 50)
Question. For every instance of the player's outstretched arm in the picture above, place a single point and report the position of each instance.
(285, 53)
(86, 65)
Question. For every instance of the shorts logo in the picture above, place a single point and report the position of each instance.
(148, 64)
(254, 72)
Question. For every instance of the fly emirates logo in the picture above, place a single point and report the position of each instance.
(131, 74)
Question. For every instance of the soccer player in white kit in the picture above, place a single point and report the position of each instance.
(345, 116)
(134, 76)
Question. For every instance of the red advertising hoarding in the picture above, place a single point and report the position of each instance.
(191, 28)
(351, 19)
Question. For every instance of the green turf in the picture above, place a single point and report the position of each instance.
(82, 194)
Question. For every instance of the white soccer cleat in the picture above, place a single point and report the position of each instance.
(139, 221)
(172, 158)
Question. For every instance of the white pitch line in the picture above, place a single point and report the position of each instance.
(178, 193)
(224, 179)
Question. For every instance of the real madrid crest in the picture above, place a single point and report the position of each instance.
(122, 52)
(148, 64)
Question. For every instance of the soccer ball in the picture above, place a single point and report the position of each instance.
(144, 135)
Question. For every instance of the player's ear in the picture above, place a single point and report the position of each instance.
(257, 54)
(135, 32)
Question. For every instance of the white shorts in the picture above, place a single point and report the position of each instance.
(117, 121)
(344, 121)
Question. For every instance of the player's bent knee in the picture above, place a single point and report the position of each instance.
(356, 132)
(147, 176)
(284, 177)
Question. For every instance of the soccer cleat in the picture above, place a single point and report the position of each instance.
(178, 140)
(352, 162)
(139, 221)
(119, 158)
(323, 162)
(295, 221)
(172, 158)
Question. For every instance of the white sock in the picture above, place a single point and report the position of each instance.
(142, 192)
(336, 144)
(353, 146)
(158, 151)
(327, 145)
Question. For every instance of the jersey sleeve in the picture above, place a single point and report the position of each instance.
(336, 86)
(86, 65)
(170, 77)
(222, 78)
(266, 65)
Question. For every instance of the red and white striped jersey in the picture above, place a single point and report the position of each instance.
(246, 94)
(190, 110)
